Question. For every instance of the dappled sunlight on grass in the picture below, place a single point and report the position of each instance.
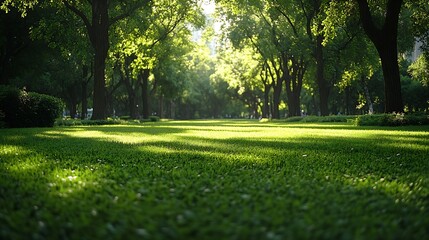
(193, 179)
(7, 149)
(134, 137)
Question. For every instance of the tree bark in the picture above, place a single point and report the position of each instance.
(172, 109)
(386, 42)
(266, 107)
(71, 92)
(100, 43)
(161, 106)
(144, 81)
(320, 77)
(277, 86)
(293, 81)
(277, 82)
(367, 95)
(131, 91)
(84, 100)
(267, 88)
(84, 90)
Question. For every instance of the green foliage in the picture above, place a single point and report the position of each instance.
(319, 119)
(419, 70)
(78, 122)
(154, 118)
(22, 5)
(215, 180)
(22, 109)
(42, 109)
(392, 119)
(294, 119)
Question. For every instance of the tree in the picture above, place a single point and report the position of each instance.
(419, 70)
(385, 39)
(98, 32)
(279, 36)
(97, 19)
(69, 39)
(145, 44)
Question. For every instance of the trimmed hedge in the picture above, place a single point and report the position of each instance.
(22, 109)
(78, 122)
(317, 119)
(392, 119)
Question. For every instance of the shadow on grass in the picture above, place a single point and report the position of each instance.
(60, 186)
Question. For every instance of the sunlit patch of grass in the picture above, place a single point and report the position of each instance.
(216, 180)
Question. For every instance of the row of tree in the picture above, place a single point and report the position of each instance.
(272, 57)
(326, 44)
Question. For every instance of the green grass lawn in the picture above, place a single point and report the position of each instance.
(215, 180)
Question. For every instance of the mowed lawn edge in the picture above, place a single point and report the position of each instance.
(215, 179)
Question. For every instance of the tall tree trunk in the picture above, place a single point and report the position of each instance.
(144, 81)
(276, 97)
(172, 109)
(161, 106)
(320, 77)
(72, 101)
(132, 104)
(367, 95)
(84, 100)
(392, 80)
(386, 43)
(347, 101)
(84, 90)
(100, 43)
(293, 82)
(266, 106)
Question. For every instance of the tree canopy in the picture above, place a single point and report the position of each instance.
(259, 58)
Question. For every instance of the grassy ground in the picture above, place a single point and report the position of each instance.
(215, 180)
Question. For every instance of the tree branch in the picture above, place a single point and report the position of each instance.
(82, 16)
(289, 21)
(127, 13)
(308, 21)
(368, 24)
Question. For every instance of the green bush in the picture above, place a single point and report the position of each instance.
(78, 122)
(100, 122)
(294, 119)
(68, 122)
(392, 119)
(154, 118)
(318, 119)
(22, 109)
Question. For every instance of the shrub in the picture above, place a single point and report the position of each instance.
(68, 122)
(43, 109)
(294, 119)
(100, 122)
(392, 119)
(22, 109)
(154, 119)
(316, 119)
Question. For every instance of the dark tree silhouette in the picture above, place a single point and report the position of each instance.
(385, 40)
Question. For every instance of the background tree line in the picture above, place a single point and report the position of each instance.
(261, 58)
